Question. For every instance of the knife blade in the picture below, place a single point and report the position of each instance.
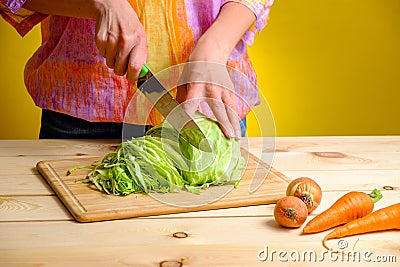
(171, 109)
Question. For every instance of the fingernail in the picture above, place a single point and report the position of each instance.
(231, 133)
(237, 134)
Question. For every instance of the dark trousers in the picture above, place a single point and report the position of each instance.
(55, 125)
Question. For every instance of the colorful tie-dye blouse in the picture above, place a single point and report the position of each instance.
(67, 73)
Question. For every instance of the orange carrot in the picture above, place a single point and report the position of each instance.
(351, 206)
(383, 219)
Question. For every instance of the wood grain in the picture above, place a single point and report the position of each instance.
(55, 147)
(37, 230)
(148, 232)
(336, 144)
(176, 255)
(141, 242)
(339, 180)
(295, 161)
(49, 208)
(27, 184)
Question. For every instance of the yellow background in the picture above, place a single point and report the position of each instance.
(325, 68)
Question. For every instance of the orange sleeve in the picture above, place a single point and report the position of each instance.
(23, 20)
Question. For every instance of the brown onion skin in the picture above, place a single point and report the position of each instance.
(290, 212)
(307, 190)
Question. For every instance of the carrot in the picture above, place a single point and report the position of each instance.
(351, 206)
(383, 219)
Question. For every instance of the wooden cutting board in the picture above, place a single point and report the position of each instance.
(87, 204)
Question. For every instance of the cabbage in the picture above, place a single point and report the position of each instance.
(163, 161)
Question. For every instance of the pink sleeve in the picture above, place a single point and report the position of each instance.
(261, 10)
(23, 20)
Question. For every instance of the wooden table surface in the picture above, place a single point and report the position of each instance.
(36, 229)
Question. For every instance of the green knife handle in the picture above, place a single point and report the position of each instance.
(145, 70)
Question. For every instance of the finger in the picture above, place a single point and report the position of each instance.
(220, 114)
(230, 103)
(219, 110)
(121, 60)
(111, 51)
(235, 122)
(137, 58)
(101, 47)
(181, 93)
(193, 98)
(101, 38)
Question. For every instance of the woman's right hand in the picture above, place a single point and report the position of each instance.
(120, 37)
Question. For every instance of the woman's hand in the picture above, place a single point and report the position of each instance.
(121, 38)
(207, 78)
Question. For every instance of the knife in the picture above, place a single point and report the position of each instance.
(170, 108)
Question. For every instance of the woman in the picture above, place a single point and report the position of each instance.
(93, 50)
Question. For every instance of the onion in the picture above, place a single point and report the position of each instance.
(290, 212)
(307, 190)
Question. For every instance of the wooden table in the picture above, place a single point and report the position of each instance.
(36, 229)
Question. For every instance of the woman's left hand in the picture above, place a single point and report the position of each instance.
(206, 76)
(207, 80)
